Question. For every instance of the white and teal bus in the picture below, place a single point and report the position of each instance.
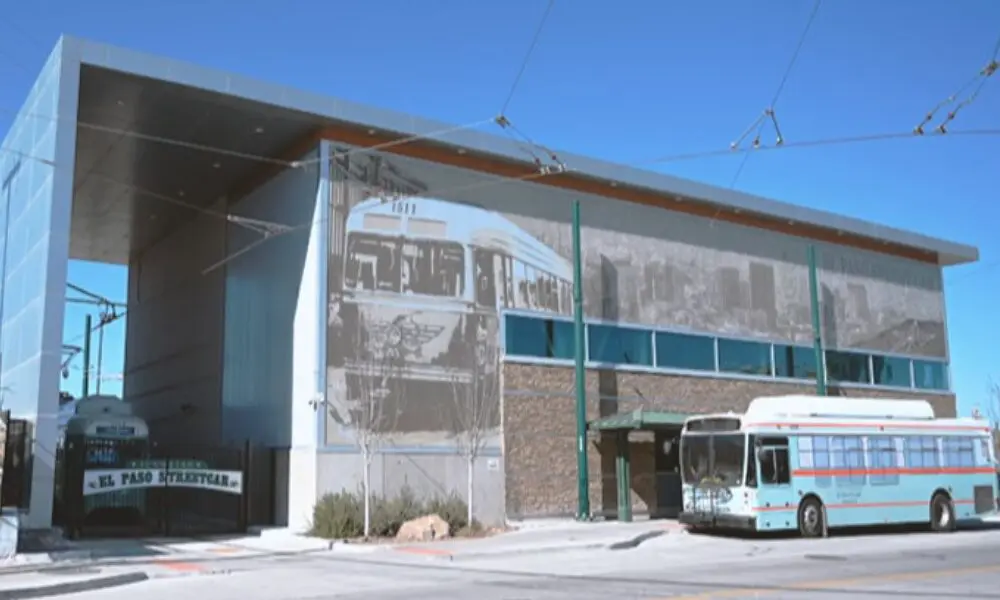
(811, 463)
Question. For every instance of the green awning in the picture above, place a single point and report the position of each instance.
(638, 420)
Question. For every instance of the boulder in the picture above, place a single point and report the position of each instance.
(423, 529)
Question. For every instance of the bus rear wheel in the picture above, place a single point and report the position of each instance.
(942, 513)
(811, 518)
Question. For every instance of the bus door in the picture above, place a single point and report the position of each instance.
(774, 475)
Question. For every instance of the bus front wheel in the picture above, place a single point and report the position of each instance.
(942, 513)
(811, 518)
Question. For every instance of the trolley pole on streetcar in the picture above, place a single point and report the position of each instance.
(583, 477)
(816, 323)
(86, 357)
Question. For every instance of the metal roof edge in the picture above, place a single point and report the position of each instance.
(103, 55)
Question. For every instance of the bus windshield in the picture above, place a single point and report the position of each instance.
(391, 264)
(717, 459)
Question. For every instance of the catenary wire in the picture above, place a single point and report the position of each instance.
(769, 111)
(527, 58)
(243, 155)
(280, 229)
(500, 180)
(538, 175)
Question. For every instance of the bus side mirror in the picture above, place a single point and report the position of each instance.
(761, 455)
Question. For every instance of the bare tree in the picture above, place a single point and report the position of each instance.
(992, 412)
(476, 412)
(373, 412)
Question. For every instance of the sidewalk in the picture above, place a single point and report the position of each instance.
(546, 537)
(157, 557)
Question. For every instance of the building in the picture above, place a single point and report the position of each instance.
(408, 282)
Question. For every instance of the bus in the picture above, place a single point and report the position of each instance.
(425, 280)
(809, 463)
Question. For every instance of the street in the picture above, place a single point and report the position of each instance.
(681, 566)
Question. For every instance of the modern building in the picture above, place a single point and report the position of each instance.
(289, 287)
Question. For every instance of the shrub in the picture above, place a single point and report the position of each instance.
(389, 515)
(342, 515)
(338, 516)
(452, 509)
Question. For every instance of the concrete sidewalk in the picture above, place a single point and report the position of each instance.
(159, 557)
(546, 537)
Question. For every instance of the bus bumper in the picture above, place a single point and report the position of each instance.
(721, 521)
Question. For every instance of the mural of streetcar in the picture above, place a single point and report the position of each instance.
(423, 283)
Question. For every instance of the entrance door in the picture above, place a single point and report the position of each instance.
(669, 497)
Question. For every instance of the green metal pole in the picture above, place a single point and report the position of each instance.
(86, 357)
(582, 476)
(816, 325)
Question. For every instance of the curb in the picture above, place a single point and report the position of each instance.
(74, 587)
(445, 555)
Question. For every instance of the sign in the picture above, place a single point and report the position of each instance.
(100, 481)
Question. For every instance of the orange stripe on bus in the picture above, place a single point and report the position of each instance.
(898, 504)
(874, 425)
(894, 471)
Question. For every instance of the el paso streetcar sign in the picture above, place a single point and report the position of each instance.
(99, 481)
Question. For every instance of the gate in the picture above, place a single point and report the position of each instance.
(132, 488)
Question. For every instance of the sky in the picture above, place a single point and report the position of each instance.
(628, 81)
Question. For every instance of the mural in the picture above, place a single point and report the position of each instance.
(424, 257)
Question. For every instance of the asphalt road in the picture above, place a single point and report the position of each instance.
(678, 567)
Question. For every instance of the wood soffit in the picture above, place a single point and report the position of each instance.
(438, 152)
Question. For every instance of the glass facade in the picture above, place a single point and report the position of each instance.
(630, 346)
(36, 171)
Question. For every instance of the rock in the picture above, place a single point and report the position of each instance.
(423, 529)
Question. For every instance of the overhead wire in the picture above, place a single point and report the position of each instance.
(270, 230)
(527, 145)
(768, 115)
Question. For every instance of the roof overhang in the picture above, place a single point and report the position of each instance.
(259, 127)
(639, 420)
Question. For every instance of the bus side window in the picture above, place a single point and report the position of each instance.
(774, 468)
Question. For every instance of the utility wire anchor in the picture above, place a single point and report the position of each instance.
(553, 165)
(984, 74)
(767, 115)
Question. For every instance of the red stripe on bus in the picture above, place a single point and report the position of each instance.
(875, 425)
(894, 471)
(860, 505)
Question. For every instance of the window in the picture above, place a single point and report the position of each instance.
(681, 351)
(822, 460)
(749, 358)
(847, 456)
(540, 338)
(921, 452)
(847, 367)
(797, 362)
(891, 371)
(958, 451)
(773, 457)
(620, 345)
(929, 375)
(882, 461)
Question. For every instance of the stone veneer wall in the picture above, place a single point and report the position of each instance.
(539, 428)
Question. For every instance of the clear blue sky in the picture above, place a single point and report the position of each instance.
(637, 79)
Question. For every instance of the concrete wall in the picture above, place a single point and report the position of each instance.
(36, 189)
(174, 334)
(273, 322)
(262, 292)
(540, 428)
(428, 475)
